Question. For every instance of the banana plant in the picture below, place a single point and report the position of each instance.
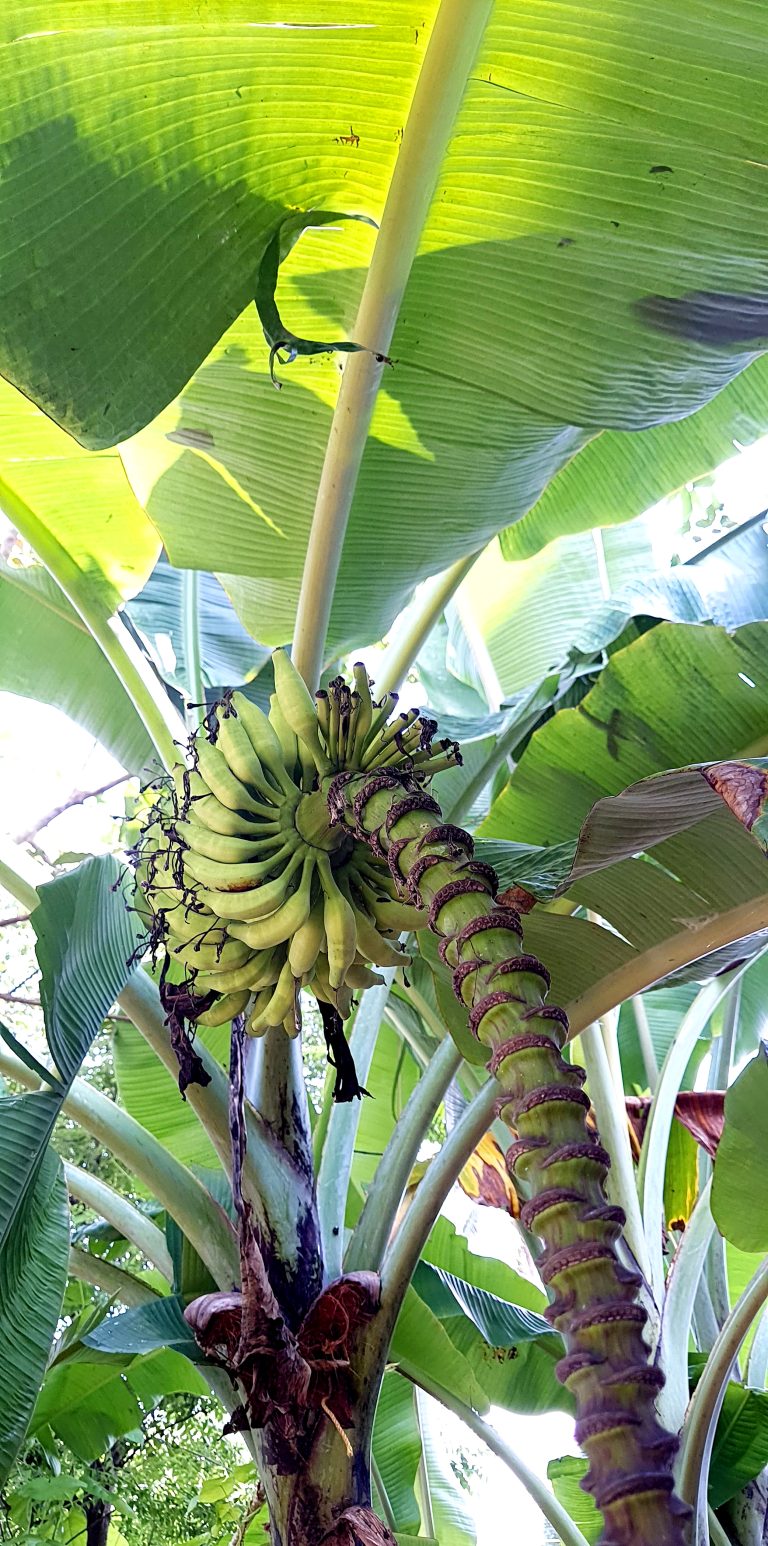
(288, 850)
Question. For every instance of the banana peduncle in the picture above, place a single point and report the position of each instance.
(556, 1161)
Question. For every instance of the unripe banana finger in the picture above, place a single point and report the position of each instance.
(283, 923)
(227, 850)
(224, 1009)
(284, 733)
(307, 942)
(257, 901)
(298, 708)
(339, 924)
(261, 999)
(237, 878)
(374, 947)
(362, 977)
(280, 1003)
(217, 774)
(290, 1027)
(260, 971)
(186, 927)
(198, 804)
(263, 739)
(235, 743)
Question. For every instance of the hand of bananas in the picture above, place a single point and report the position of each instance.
(240, 876)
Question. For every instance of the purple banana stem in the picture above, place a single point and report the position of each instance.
(555, 1160)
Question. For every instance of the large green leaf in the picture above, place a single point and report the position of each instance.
(150, 1094)
(636, 721)
(740, 1450)
(228, 654)
(85, 501)
(397, 1449)
(89, 1404)
(85, 941)
(566, 1474)
(146, 1328)
(33, 1274)
(619, 476)
(46, 653)
(452, 1514)
(554, 222)
(422, 1346)
(86, 938)
(739, 1202)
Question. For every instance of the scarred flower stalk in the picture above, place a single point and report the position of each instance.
(555, 1160)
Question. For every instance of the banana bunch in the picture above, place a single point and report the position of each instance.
(245, 886)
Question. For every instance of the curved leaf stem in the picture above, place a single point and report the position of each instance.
(523, 718)
(115, 1281)
(653, 1155)
(122, 1214)
(173, 1184)
(553, 1511)
(335, 1161)
(645, 1041)
(683, 1280)
(608, 1102)
(374, 1227)
(456, 36)
(401, 654)
(150, 701)
(699, 1426)
(405, 1250)
(15, 884)
(382, 1496)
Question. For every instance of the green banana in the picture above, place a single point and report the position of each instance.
(339, 923)
(234, 742)
(259, 971)
(283, 923)
(257, 901)
(298, 707)
(228, 850)
(280, 1003)
(307, 942)
(364, 718)
(388, 914)
(205, 808)
(264, 741)
(217, 774)
(262, 998)
(284, 733)
(224, 1009)
(237, 878)
(373, 946)
(362, 977)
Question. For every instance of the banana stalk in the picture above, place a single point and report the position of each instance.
(555, 1161)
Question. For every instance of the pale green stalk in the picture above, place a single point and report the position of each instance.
(173, 1184)
(148, 697)
(402, 652)
(456, 35)
(645, 1042)
(190, 627)
(406, 1248)
(682, 1282)
(385, 1507)
(608, 1101)
(374, 1227)
(339, 1146)
(707, 1399)
(653, 1155)
(537, 1489)
(128, 1220)
(115, 1281)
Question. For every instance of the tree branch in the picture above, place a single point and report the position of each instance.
(78, 797)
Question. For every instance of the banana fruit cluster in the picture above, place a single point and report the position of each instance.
(241, 878)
